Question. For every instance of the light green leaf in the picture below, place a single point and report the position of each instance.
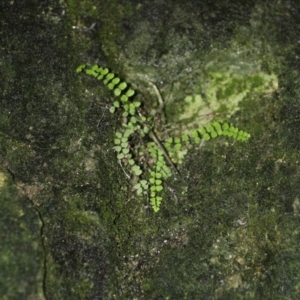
(118, 134)
(131, 162)
(91, 72)
(144, 183)
(124, 98)
(124, 145)
(206, 137)
(109, 76)
(120, 155)
(125, 151)
(80, 68)
(152, 180)
(104, 71)
(159, 188)
(130, 93)
(116, 104)
(110, 86)
(116, 80)
(138, 172)
(95, 68)
(153, 188)
(209, 128)
(133, 120)
(213, 134)
(117, 92)
(122, 86)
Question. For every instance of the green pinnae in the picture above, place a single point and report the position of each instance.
(213, 134)
(159, 164)
(130, 93)
(116, 80)
(95, 68)
(177, 140)
(225, 126)
(117, 141)
(217, 125)
(209, 128)
(80, 68)
(124, 145)
(125, 150)
(202, 130)
(197, 140)
(124, 98)
(127, 132)
(126, 107)
(110, 76)
(153, 188)
(117, 92)
(219, 131)
(153, 153)
(194, 134)
(136, 170)
(158, 199)
(185, 138)
(131, 162)
(236, 130)
(116, 104)
(168, 147)
(206, 137)
(152, 180)
(118, 134)
(104, 71)
(139, 190)
(155, 208)
(169, 140)
(110, 86)
(144, 183)
(132, 111)
(178, 146)
(158, 188)
(136, 103)
(133, 120)
(146, 129)
(122, 86)
(91, 72)
(158, 175)
(120, 156)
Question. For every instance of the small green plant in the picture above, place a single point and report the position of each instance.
(151, 163)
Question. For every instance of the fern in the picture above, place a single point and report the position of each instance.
(151, 163)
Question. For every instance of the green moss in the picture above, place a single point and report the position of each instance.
(21, 251)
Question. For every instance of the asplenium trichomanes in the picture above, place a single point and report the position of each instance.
(147, 158)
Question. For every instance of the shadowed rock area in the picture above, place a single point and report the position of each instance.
(72, 226)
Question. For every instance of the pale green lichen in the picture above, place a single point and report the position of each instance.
(223, 88)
